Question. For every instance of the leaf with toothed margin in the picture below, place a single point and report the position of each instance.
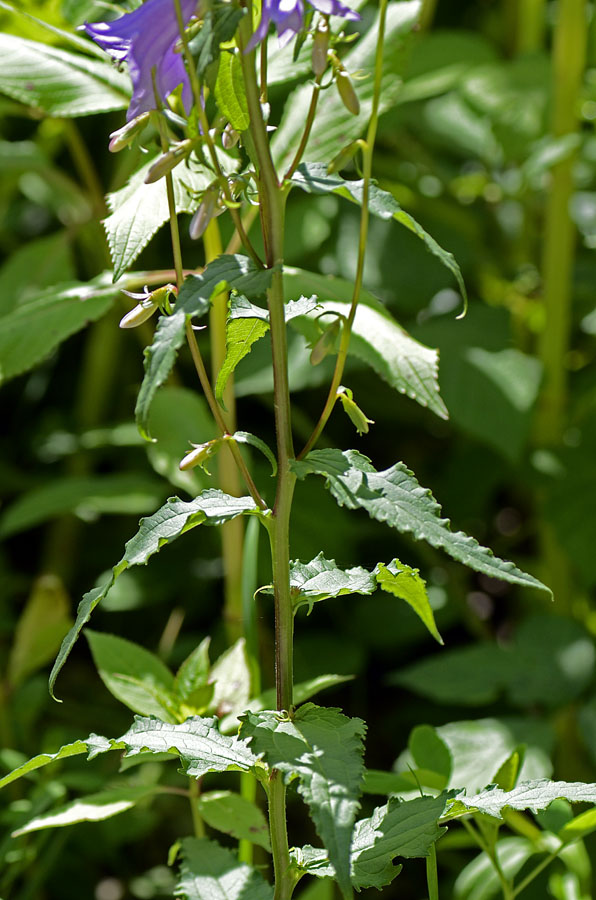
(44, 759)
(197, 741)
(211, 507)
(227, 271)
(532, 795)
(211, 872)
(313, 178)
(323, 749)
(395, 497)
(405, 829)
(377, 339)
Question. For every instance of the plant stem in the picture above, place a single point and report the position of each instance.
(310, 118)
(272, 198)
(194, 792)
(427, 14)
(232, 533)
(506, 886)
(284, 883)
(367, 158)
(536, 871)
(432, 878)
(531, 17)
(569, 52)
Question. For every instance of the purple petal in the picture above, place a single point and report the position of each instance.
(334, 8)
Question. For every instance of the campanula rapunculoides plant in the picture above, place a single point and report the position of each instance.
(215, 144)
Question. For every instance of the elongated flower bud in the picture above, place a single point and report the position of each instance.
(125, 135)
(347, 92)
(168, 161)
(320, 47)
(343, 158)
(140, 313)
(204, 214)
(325, 344)
(359, 420)
(199, 455)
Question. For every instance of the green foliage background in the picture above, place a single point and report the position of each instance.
(469, 152)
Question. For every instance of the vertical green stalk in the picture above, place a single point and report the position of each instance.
(367, 159)
(427, 14)
(530, 26)
(232, 533)
(272, 199)
(569, 53)
(432, 877)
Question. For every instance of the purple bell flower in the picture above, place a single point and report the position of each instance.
(145, 38)
(288, 17)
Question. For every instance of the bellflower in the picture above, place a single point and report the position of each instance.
(288, 17)
(145, 38)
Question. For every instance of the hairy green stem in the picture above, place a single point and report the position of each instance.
(367, 159)
(272, 198)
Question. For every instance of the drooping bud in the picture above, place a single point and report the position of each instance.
(320, 47)
(168, 161)
(346, 91)
(204, 214)
(325, 344)
(125, 135)
(229, 137)
(199, 455)
(140, 313)
(344, 156)
(360, 421)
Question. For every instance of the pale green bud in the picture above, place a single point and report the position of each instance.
(125, 135)
(320, 47)
(347, 92)
(168, 161)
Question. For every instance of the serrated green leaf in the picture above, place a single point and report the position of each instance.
(579, 827)
(208, 871)
(398, 829)
(245, 437)
(324, 749)
(404, 582)
(58, 82)
(226, 271)
(92, 808)
(212, 507)
(197, 741)
(395, 497)
(138, 210)
(33, 330)
(134, 675)
(322, 578)
(532, 795)
(379, 782)
(377, 339)
(235, 815)
(241, 334)
(313, 178)
(126, 494)
(44, 759)
(219, 26)
(230, 92)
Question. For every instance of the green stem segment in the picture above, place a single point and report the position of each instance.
(569, 53)
(367, 159)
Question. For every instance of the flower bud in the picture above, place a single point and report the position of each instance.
(168, 161)
(204, 213)
(125, 135)
(347, 92)
(325, 344)
(359, 420)
(229, 137)
(343, 158)
(140, 313)
(320, 47)
(199, 455)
